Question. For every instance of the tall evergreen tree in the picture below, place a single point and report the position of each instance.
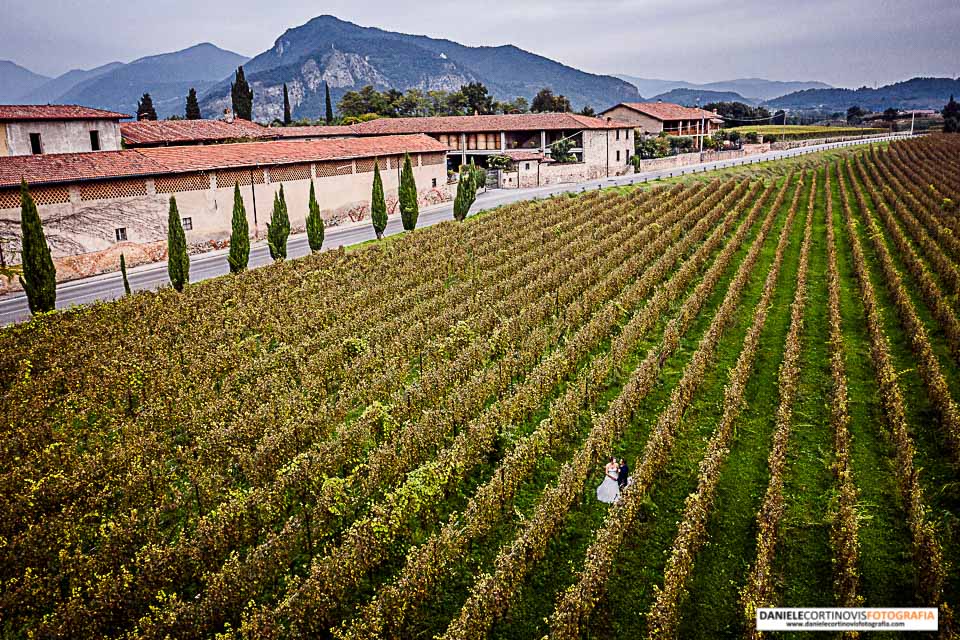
(314, 222)
(145, 110)
(240, 235)
(123, 274)
(329, 104)
(39, 277)
(466, 194)
(278, 229)
(409, 207)
(242, 96)
(178, 262)
(193, 106)
(287, 119)
(378, 204)
(951, 117)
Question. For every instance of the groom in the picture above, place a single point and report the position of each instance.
(623, 475)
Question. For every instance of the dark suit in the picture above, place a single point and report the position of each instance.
(623, 475)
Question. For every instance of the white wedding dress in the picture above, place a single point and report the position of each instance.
(608, 491)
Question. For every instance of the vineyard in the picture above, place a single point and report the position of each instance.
(404, 441)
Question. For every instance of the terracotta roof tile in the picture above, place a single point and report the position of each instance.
(519, 155)
(474, 124)
(666, 110)
(16, 112)
(156, 132)
(316, 131)
(74, 167)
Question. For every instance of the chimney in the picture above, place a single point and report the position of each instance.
(228, 115)
(609, 119)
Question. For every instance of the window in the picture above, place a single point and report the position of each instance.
(121, 234)
(526, 166)
(433, 183)
(95, 140)
(35, 145)
(618, 155)
(618, 134)
(188, 224)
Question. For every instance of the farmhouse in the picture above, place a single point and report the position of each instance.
(652, 118)
(89, 202)
(601, 146)
(39, 129)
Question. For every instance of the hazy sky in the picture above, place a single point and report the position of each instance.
(844, 43)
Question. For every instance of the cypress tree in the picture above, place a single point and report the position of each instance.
(241, 96)
(193, 106)
(378, 204)
(123, 274)
(466, 194)
(409, 208)
(329, 104)
(178, 262)
(286, 105)
(39, 277)
(240, 236)
(145, 110)
(314, 222)
(278, 229)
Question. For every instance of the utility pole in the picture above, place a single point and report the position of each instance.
(913, 117)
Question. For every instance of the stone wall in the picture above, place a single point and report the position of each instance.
(65, 136)
(82, 233)
(686, 159)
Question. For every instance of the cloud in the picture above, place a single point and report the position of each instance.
(845, 43)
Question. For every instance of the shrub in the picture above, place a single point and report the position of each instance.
(314, 222)
(39, 277)
(278, 229)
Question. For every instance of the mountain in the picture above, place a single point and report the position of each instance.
(700, 97)
(654, 86)
(754, 89)
(16, 81)
(349, 56)
(916, 93)
(50, 91)
(167, 77)
(760, 89)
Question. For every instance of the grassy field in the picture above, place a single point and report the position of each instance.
(802, 132)
(404, 440)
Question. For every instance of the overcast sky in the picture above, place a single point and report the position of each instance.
(847, 43)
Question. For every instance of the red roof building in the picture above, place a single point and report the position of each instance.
(156, 133)
(652, 118)
(33, 129)
(154, 161)
(313, 131)
(601, 142)
(23, 112)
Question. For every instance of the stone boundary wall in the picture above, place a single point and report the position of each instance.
(81, 220)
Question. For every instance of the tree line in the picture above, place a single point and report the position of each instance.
(39, 275)
(368, 103)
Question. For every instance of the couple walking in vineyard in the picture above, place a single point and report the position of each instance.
(617, 479)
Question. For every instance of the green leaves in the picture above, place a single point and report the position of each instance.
(39, 278)
(315, 228)
(409, 206)
(278, 229)
(178, 261)
(378, 204)
(239, 235)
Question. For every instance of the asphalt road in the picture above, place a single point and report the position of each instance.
(13, 307)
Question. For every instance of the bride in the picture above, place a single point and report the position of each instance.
(609, 491)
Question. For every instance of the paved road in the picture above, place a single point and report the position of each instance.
(13, 307)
